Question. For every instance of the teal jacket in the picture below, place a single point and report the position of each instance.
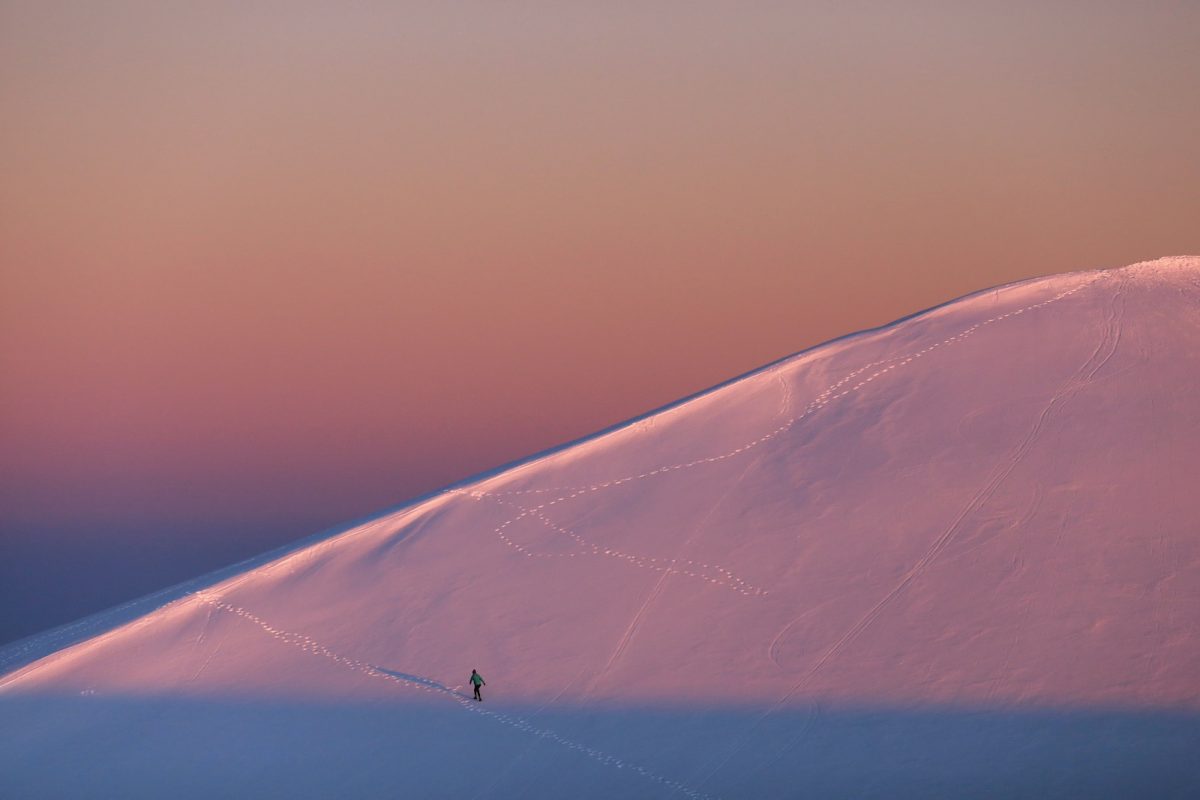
(477, 679)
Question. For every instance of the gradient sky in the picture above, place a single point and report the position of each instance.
(266, 267)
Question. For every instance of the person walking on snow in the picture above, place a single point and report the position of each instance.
(477, 681)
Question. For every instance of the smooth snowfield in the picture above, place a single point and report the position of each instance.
(955, 556)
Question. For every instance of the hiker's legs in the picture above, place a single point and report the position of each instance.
(477, 695)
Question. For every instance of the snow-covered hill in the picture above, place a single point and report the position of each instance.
(955, 556)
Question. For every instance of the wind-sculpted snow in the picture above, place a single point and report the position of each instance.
(971, 530)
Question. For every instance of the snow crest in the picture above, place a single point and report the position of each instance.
(980, 512)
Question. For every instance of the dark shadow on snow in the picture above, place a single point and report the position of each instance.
(421, 680)
(130, 747)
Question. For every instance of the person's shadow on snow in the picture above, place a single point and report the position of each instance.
(418, 679)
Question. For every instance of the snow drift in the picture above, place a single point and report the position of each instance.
(956, 555)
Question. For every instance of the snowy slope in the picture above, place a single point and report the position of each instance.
(956, 555)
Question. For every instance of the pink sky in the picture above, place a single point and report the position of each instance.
(265, 270)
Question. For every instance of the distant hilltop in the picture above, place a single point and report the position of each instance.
(958, 550)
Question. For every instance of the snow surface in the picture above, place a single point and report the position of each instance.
(955, 556)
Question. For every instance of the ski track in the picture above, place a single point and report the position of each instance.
(430, 686)
(627, 634)
(199, 644)
(656, 591)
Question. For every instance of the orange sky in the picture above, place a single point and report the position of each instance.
(264, 269)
